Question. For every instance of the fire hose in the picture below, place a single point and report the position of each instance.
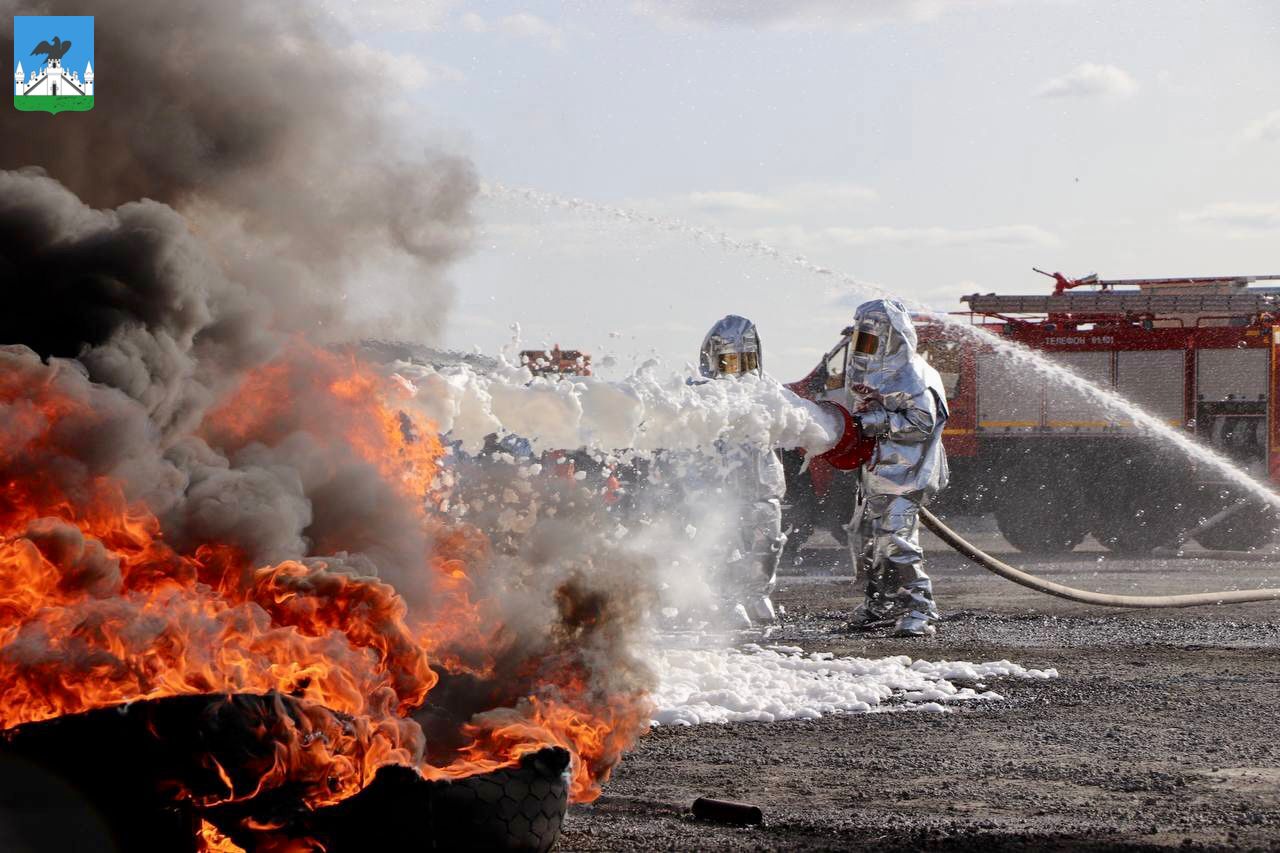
(855, 449)
(1196, 599)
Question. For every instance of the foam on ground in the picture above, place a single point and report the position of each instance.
(706, 685)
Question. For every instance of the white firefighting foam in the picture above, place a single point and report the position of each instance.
(646, 411)
(754, 684)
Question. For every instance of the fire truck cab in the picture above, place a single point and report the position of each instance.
(1054, 463)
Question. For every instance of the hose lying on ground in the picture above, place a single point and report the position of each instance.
(1008, 572)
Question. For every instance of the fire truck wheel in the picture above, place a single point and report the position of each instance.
(1250, 528)
(1037, 527)
(1139, 498)
(1137, 535)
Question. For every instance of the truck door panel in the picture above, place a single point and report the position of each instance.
(1155, 380)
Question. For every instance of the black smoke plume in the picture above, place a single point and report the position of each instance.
(249, 121)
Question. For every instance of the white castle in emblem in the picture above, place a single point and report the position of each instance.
(53, 79)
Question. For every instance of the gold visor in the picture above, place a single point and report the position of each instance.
(866, 343)
(738, 362)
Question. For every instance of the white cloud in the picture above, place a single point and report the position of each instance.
(414, 72)
(1237, 219)
(524, 25)
(390, 15)
(1265, 129)
(803, 218)
(1090, 80)
(733, 200)
(474, 23)
(943, 237)
(930, 237)
(797, 200)
(801, 14)
(528, 25)
(947, 296)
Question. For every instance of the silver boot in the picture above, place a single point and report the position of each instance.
(761, 610)
(913, 623)
(918, 612)
(738, 618)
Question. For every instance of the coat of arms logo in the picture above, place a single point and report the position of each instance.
(53, 63)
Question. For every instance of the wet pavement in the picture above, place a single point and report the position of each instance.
(1163, 729)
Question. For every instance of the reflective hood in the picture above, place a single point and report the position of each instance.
(731, 347)
(884, 340)
(882, 352)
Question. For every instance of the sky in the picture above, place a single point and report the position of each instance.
(930, 148)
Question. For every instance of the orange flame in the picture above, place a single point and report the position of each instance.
(213, 841)
(97, 609)
(595, 737)
(343, 400)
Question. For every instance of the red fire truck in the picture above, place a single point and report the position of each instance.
(1053, 464)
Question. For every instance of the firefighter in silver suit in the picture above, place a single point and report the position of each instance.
(752, 477)
(899, 400)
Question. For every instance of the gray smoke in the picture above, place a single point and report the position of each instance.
(131, 291)
(232, 180)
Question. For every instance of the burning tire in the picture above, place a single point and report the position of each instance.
(519, 808)
(148, 775)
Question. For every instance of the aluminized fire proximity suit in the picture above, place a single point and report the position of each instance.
(751, 478)
(898, 399)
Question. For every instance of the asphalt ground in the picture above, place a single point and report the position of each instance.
(1163, 729)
